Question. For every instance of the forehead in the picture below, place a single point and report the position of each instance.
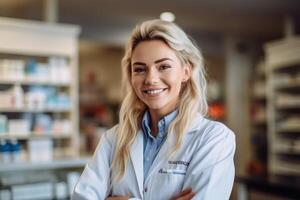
(149, 51)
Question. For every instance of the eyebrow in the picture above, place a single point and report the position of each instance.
(157, 61)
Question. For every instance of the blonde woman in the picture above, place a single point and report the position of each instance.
(163, 147)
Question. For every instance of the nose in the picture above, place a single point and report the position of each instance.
(152, 77)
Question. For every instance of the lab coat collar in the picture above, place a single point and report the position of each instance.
(136, 154)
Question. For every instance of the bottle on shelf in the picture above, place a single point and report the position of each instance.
(15, 151)
(17, 96)
(5, 156)
(3, 124)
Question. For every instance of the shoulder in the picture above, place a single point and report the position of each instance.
(110, 135)
(112, 131)
(215, 142)
(217, 129)
(209, 131)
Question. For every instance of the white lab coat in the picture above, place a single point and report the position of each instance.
(204, 162)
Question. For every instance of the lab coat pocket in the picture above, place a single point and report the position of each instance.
(171, 179)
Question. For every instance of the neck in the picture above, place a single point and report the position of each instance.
(155, 117)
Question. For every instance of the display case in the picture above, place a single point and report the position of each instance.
(283, 85)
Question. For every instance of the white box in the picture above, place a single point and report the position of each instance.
(32, 191)
(61, 190)
(5, 194)
(18, 127)
(40, 150)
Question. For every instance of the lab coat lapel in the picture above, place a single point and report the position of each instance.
(162, 155)
(136, 154)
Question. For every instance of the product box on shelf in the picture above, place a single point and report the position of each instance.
(18, 127)
(40, 150)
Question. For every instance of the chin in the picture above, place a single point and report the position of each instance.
(155, 107)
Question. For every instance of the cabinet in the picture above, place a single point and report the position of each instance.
(283, 83)
(38, 90)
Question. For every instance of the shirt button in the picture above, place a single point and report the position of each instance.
(146, 189)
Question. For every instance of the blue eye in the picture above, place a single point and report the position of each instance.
(164, 66)
(139, 70)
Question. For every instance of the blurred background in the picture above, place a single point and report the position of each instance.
(60, 79)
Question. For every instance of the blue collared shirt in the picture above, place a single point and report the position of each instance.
(152, 144)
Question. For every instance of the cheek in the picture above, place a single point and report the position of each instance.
(175, 83)
(135, 85)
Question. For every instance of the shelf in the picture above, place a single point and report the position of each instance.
(288, 85)
(63, 163)
(290, 68)
(33, 82)
(35, 135)
(294, 86)
(36, 38)
(285, 168)
(34, 110)
(292, 129)
(290, 148)
(293, 107)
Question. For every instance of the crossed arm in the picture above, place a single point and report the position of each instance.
(186, 194)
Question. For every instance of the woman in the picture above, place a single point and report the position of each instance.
(163, 147)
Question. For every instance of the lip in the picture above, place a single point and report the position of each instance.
(155, 91)
(145, 89)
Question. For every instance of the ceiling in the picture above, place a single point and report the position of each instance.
(111, 20)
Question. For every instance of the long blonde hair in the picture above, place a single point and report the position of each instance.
(192, 98)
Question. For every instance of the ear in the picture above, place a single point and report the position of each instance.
(187, 70)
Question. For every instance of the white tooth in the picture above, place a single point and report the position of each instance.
(154, 91)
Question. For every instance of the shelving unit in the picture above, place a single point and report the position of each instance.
(283, 82)
(36, 57)
(38, 110)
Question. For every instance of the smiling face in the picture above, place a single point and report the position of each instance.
(157, 75)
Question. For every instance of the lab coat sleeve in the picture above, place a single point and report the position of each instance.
(211, 171)
(94, 182)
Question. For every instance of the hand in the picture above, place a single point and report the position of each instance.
(186, 194)
(117, 198)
